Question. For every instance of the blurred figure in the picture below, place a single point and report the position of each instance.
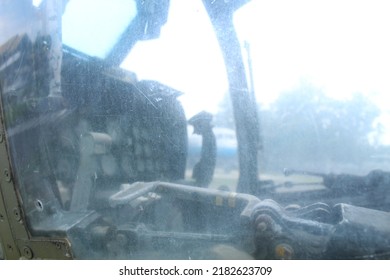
(204, 170)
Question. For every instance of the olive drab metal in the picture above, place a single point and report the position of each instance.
(15, 236)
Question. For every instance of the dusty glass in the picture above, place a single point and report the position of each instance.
(198, 129)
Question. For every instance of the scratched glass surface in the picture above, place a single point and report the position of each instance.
(168, 129)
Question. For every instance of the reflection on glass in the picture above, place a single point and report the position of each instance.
(151, 152)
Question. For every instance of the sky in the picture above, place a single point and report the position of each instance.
(96, 33)
(186, 57)
(342, 47)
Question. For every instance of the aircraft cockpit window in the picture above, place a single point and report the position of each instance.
(226, 136)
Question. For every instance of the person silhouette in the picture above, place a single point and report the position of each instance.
(203, 170)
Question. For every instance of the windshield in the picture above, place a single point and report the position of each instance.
(182, 129)
(318, 82)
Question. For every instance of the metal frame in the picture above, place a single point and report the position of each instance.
(14, 234)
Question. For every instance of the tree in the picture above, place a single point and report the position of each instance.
(305, 128)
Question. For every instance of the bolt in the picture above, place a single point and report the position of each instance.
(17, 215)
(7, 175)
(39, 205)
(10, 248)
(1, 137)
(262, 227)
(264, 223)
(28, 254)
(1, 217)
(284, 251)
